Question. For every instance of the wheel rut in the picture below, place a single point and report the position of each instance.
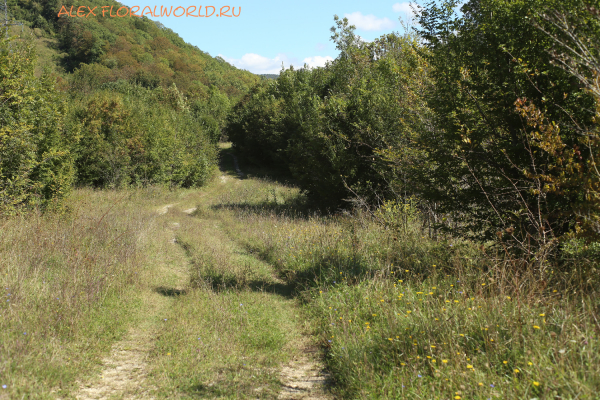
(125, 369)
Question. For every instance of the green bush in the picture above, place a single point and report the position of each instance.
(134, 135)
(36, 162)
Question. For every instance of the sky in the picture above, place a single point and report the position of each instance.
(268, 33)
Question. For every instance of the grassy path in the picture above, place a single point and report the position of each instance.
(233, 291)
(125, 370)
(216, 320)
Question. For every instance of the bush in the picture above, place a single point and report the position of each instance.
(36, 162)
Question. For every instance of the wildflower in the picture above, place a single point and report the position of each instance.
(534, 383)
(516, 371)
(542, 315)
(445, 361)
(469, 366)
(536, 327)
(457, 397)
(505, 362)
(480, 383)
(529, 363)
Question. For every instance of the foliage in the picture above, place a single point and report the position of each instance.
(336, 128)
(486, 163)
(576, 27)
(134, 135)
(103, 49)
(471, 117)
(36, 140)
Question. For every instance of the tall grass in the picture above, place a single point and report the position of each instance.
(401, 315)
(69, 289)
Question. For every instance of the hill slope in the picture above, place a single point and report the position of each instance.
(103, 49)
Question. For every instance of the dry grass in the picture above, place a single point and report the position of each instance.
(71, 287)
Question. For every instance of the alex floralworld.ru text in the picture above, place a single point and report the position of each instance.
(191, 11)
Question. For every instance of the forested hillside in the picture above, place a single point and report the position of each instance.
(122, 101)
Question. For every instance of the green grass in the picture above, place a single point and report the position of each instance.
(71, 286)
(399, 315)
(234, 327)
(256, 277)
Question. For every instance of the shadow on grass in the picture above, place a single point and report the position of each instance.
(296, 208)
(220, 283)
(252, 170)
(226, 164)
(169, 292)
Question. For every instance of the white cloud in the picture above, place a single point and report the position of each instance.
(369, 22)
(258, 64)
(317, 61)
(403, 8)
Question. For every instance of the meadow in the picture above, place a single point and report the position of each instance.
(255, 279)
(401, 315)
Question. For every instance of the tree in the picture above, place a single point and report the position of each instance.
(488, 176)
(36, 165)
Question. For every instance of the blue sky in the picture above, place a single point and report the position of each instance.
(267, 33)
